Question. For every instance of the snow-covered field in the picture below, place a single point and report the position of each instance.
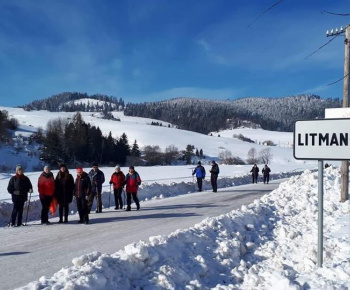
(282, 139)
(269, 244)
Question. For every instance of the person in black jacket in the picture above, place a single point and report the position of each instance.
(214, 171)
(64, 187)
(19, 186)
(82, 191)
(255, 173)
(266, 173)
(97, 179)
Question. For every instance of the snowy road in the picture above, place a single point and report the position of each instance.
(28, 253)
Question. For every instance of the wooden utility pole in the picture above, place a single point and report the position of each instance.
(344, 164)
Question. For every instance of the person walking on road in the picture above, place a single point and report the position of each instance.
(118, 181)
(255, 173)
(64, 187)
(132, 181)
(97, 179)
(266, 173)
(82, 192)
(214, 172)
(19, 186)
(199, 171)
(46, 188)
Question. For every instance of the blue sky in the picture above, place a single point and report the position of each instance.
(149, 50)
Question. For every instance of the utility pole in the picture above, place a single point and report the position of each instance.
(344, 164)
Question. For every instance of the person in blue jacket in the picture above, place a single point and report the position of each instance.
(199, 171)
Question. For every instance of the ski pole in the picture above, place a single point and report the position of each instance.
(124, 199)
(30, 195)
(109, 199)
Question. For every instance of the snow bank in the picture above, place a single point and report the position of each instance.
(270, 244)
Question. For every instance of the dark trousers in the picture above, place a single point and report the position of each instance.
(82, 209)
(45, 203)
(266, 178)
(135, 198)
(98, 201)
(199, 183)
(17, 212)
(63, 209)
(214, 182)
(255, 178)
(118, 197)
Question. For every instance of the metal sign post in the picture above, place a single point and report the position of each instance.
(320, 215)
(326, 139)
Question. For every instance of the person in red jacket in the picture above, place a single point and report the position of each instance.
(132, 181)
(118, 181)
(46, 188)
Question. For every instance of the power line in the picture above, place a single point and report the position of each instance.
(264, 12)
(338, 80)
(321, 47)
(332, 13)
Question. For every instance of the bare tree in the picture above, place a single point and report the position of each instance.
(265, 155)
(171, 154)
(224, 155)
(153, 155)
(227, 158)
(252, 156)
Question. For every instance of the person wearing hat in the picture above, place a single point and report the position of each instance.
(19, 186)
(97, 178)
(132, 181)
(199, 171)
(46, 188)
(118, 180)
(82, 190)
(64, 187)
(214, 172)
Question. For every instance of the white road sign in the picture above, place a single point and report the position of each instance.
(322, 139)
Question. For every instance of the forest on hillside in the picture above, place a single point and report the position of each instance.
(69, 102)
(204, 116)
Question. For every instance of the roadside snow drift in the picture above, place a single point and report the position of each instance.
(270, 244)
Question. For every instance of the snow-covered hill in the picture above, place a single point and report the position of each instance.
(140, 129)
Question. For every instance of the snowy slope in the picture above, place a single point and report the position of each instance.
(140, 129)
(270, 244)
(282, 139)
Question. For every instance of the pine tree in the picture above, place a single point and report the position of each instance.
(188, 154)
(135, 151)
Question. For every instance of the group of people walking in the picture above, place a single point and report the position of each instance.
(88, 186)
(85, 188)
(265, 171)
